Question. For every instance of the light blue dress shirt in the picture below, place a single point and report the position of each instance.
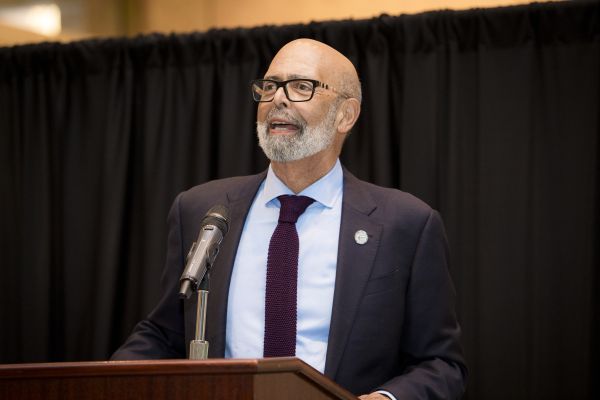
(318, 232)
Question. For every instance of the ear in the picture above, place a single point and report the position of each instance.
(348, 114)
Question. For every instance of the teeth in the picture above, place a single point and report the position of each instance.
(282, 124)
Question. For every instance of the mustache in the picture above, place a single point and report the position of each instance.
(286, 115)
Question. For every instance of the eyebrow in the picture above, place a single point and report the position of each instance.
(291, 76)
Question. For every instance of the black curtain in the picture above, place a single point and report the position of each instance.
(491, 116)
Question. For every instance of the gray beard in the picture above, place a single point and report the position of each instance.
(309, 140)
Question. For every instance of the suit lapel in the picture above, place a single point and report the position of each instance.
(239, 202)
(354, 265)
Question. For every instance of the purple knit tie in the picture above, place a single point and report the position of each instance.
(282, 277)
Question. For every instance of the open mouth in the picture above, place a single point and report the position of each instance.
(282, 127)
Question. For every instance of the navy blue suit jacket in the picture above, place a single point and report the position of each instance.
(393, 325)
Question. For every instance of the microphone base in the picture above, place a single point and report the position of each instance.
(198, 350)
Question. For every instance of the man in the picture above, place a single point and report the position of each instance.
(375, 303)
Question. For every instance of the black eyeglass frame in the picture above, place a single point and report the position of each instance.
(283, 84)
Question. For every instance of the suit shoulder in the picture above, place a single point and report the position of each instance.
(202, 197)
(392, 198)
(224, 184)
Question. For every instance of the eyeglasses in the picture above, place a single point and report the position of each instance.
(296, 90)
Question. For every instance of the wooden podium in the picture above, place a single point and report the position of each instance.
(261, 379)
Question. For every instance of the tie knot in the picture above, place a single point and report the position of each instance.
(292, 207)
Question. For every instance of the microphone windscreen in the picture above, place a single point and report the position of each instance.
(218, 216)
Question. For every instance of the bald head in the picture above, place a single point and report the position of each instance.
(324, 62)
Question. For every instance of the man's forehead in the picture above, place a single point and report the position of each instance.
(285, 77)
(292, 65)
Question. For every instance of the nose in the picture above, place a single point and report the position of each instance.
(280, 99)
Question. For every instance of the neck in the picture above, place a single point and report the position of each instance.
(300, 174)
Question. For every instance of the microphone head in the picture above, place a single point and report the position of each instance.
(218, 216)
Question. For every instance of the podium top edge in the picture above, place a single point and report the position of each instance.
(152, 367)
(134, 367)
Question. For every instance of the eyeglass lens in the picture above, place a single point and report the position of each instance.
(295, 89)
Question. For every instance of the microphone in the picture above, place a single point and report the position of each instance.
(201, 256)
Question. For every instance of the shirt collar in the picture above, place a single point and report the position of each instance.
(325, 191)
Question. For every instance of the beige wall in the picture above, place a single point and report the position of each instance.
(185, 15)
(10, 36)
(130, 17)
(174, 15)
